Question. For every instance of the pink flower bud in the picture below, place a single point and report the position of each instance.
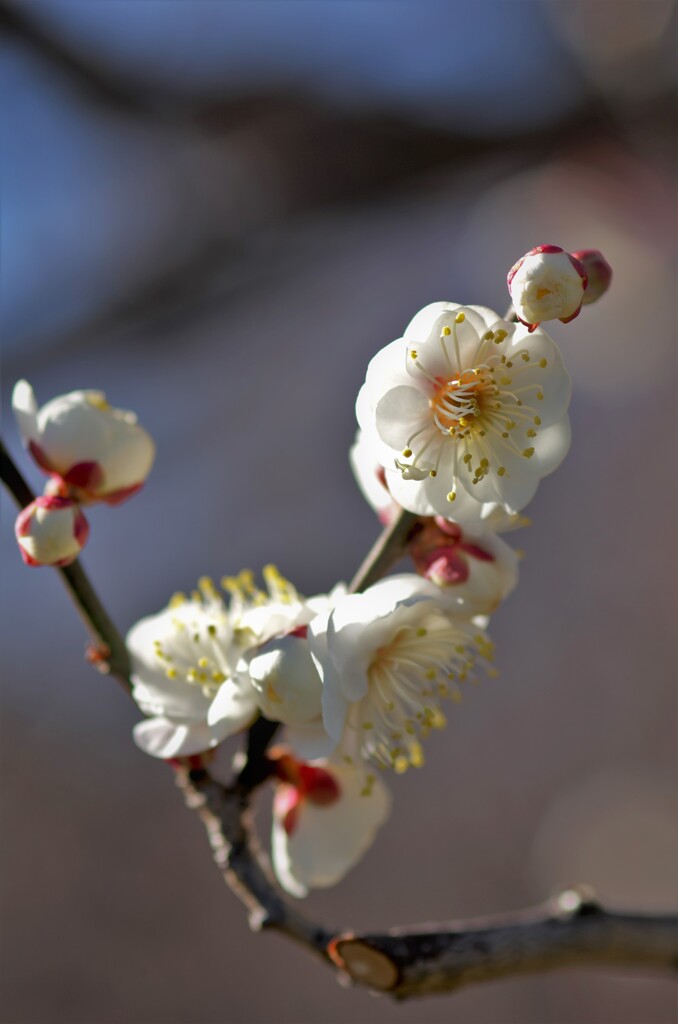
(51, 531)
(599, 273)
(92, 451)
(546, 283)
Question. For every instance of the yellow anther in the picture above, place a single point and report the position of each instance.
(525, 356)
(447, 331)
(489, 336)
(537, 421)
(543, 363)
(414, 354)
(431, 673)
(203, 662)
(540, 396)
(422, 631)
(212, 629)
(452, 496)
(368, 725)
(177, 599)
(501, 471)
(433, 472)
(400, 765)
(171, 673)
(505, 380)
(528, 453)
(531, 433)
(468, 457)
(407, 452)
(218, 677)
(459, 318)
(416, 755)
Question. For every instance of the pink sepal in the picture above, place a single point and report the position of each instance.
(86, 476)
(117, 497)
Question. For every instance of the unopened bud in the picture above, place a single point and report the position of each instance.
(546, 283)
(92, 451)
(599, 273)
(51, 531)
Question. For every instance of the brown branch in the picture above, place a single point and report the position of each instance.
(571, 930)
(109, 653)
(388, 548)
(224, 811)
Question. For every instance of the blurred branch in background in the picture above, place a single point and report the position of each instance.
(292, 151)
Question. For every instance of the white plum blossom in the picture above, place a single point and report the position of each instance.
(92, 451)
(475, 566)
(51, 531)
(466, 412)
(547, 283)
(186, 660)
(325, 817)
(387, 658)
(277, 667)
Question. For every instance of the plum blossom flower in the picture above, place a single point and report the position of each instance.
(185, 661)
(51, 531)
(387, 658)
(466, 412)
(547, 283)
(475, 566)
(325, 817)
(92, 451)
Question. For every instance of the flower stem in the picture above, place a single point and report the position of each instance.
(388, 548)
(110, 654)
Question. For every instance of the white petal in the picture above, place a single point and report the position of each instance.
(310, 741)
(329, 840)
(401, 412)
(234, 705)
(161, 737)
(552, 445)
(25, 409)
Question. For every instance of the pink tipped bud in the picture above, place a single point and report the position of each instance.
(546, 283)
(92, 451)
(51, 531)
(599, 273)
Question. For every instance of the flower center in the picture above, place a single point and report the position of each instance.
(407, 678)
(457, 402)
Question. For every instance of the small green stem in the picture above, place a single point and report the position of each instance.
(92, 612)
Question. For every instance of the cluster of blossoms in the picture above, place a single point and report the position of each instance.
(91, 452)
(459, 419)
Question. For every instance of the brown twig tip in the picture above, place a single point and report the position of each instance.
(364, 964)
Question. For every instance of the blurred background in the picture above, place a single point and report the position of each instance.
(217, 213)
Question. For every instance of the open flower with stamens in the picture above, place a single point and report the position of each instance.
(466, 411)
(185, 661)
(388, 658)
(325, 817)
(92, 451)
